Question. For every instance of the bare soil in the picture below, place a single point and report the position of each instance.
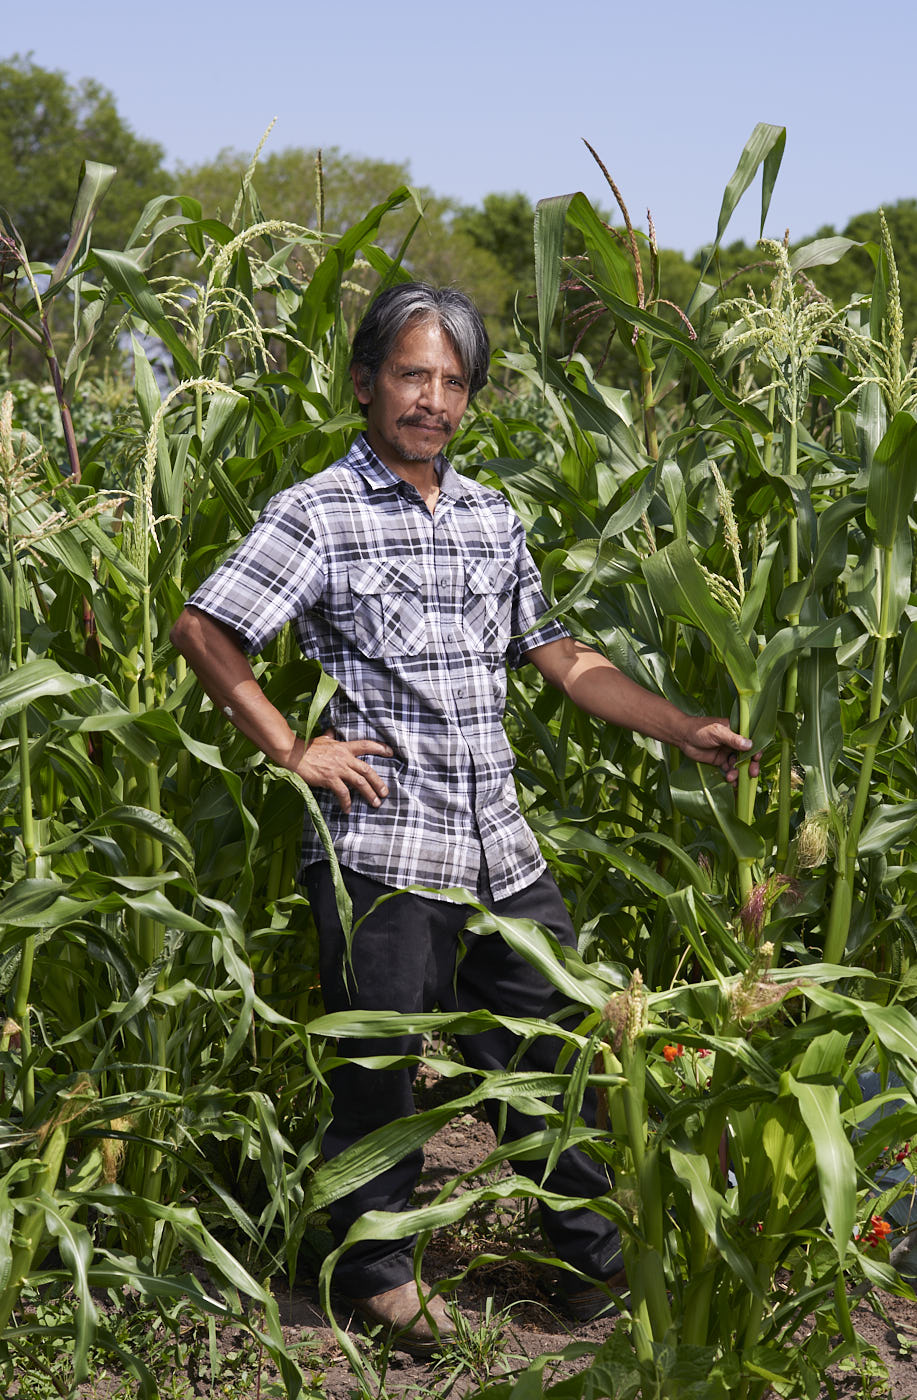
(516, 1287)
(521, 1295)
(536, 1327)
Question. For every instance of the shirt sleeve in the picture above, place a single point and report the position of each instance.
(529, 606)
(274, 575)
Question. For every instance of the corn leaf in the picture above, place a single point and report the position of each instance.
(818, 1104)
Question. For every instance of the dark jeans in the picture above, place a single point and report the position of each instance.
(404, 959)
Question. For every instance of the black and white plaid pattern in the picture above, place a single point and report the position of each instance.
(416, 617)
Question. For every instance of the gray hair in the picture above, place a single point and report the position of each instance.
(394, 308)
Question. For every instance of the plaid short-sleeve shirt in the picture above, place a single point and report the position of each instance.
(416, 616)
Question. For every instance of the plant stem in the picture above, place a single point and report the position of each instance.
(769, 437)
(649, 412)
(670, 643)
(745, 802)
(21, 1013)
(563, 744)
(63, 407)
(44, 1178)
(785, 781)
(152, 933)
(842, 899)
(635, 769)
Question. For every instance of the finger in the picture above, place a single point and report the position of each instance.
(370, 784)
(341, 793)
(733, 760)
(730, 766)
(720, 733)
(360, 746)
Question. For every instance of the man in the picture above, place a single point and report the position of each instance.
(414, 589)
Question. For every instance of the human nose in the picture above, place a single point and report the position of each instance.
(434, 395)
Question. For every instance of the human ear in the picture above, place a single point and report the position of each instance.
(360, 387)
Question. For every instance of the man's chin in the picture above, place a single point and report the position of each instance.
(416, 452)
(411, 456)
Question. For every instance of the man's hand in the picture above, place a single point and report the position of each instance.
(335, 764)
(712, 741)
(223, 669)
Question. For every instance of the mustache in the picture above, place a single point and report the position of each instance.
(425, 420)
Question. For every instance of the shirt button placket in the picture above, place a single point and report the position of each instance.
(445, 586)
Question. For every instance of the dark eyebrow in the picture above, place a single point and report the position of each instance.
(408, 367)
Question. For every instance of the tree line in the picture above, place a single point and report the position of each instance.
(49, 125)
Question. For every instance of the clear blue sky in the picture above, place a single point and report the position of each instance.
(496, 94)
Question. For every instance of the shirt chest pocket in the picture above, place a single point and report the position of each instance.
(488, 604)
(387, 605)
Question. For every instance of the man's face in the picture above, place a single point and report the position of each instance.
(417, 400)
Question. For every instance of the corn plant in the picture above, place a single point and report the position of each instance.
(735, 533)
(752, 555)
(148, 906)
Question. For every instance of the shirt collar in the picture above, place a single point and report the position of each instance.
(379, 477)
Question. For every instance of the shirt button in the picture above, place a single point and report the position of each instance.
(444, 581)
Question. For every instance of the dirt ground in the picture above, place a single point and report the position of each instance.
(536, 1330)
(522, 1300)
(536, 1326)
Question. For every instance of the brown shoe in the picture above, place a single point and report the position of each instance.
(418, 1331)
(591, 1302)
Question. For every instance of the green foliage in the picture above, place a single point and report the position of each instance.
(478, 1351)
(106, 403)
(180, 1353)
(48, 127)
(503, 226)
(850, 278)
(287, 181)
(734, 529)
(853, 275)
(481, 250)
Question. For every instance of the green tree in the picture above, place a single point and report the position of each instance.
(503, 226)
(853, 275)
(287, 185)
(501, 229)
(48, 127)
(461, 247)
(740, 266)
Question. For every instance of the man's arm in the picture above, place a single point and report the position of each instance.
(595, 685)
(213, 653)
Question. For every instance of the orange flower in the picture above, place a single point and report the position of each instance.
(672, 1052)
(878, 1230)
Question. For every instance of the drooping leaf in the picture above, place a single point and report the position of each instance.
(36, 680)
(765, 145)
